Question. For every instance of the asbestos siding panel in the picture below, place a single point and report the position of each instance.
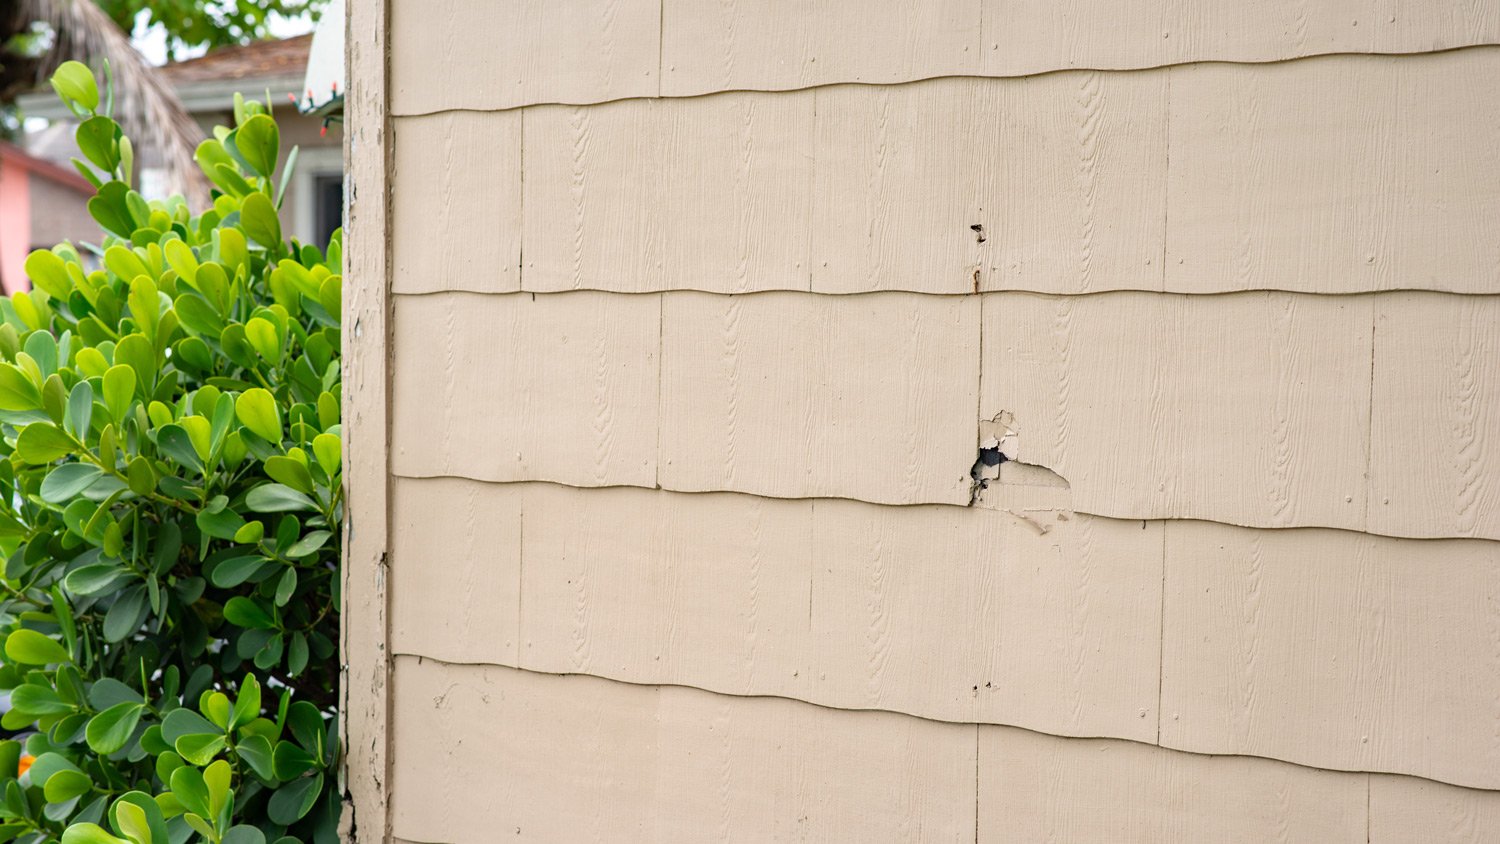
(1403, 809)
(560, 388)
(1434, 443)
(778, 45)
(471, 54)
(458, 224)
(654, 195)
(1273, 177)
(1040, 788)
(1029, 36)
(584, 759)
(795, 395)
(955, 614)
(1252, 409)
(455, 570)
(1338, 174)
(1334, 649)
(477, 54)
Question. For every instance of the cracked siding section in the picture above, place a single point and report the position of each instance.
(854, 451)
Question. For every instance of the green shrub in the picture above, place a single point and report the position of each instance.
(171, 530)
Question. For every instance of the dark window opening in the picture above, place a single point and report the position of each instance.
(328, 206)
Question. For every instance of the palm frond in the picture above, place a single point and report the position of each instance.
(145, 105)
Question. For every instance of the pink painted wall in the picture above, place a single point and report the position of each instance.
(15, 224)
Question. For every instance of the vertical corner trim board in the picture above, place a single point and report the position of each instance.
(1261, 409)
(364, 653)
(474, 54)
(1333, 649)
(1341, 174)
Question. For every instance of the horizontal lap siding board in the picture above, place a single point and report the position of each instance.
(1336, 174)
(473, 54)
(1403, 809)
(1200, 179)
(645, 195)
(584, 759)
(1334, 649)
(514, 388)
(458, 224)
(1296, 645)
(797, 395)
(1252, 409)
(479, 54)
(1434, 443)
(1040, 788)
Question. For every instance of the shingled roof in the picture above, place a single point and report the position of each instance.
(286, 57)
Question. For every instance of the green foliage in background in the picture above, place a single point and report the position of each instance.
(170, 445)
(205, 23)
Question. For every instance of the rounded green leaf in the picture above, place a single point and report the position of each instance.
(68, 480)
(33, 648)
(88, 833)
(294, 800)
(17, 391)
(259, 143)
(48, 273)
(257, 410)
(243, 612)
(243, 835)
(65, 785)
(258, 218)
(43, 442)
(257, 753)
(119, 390)
(289, 472)
(199, 749)
(108, 731)
(74, 82)
(277, 498)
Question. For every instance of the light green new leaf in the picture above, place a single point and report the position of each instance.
(33, 648)
(119, 390)
(109, 730)
(258, 216)
(259, 143)
(257, 410)
(88, 833)
(17, 391)
(43, 442)
(48, 273)
(73, 81)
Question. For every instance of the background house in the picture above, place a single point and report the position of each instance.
(41, 203)
(206, 85)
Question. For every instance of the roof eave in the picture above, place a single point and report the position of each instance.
(197, 97)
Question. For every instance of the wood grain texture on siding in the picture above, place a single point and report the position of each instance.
(1251, 409)
(455, 570)
(1031, 36)
(477, 54)
(1435, 437)
(1403, 809)
(516, 387)
(1338, 174)
(1041, 788)
(773, 45)
(457, 225)
(770, 45)
(711, 591)
(1334, 649)
(1063, 174)
(648, 195)
(798, 395)
(956, 614)
(1342, 174)
(584, 759)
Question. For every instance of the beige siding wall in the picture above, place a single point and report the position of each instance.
(699, 314)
